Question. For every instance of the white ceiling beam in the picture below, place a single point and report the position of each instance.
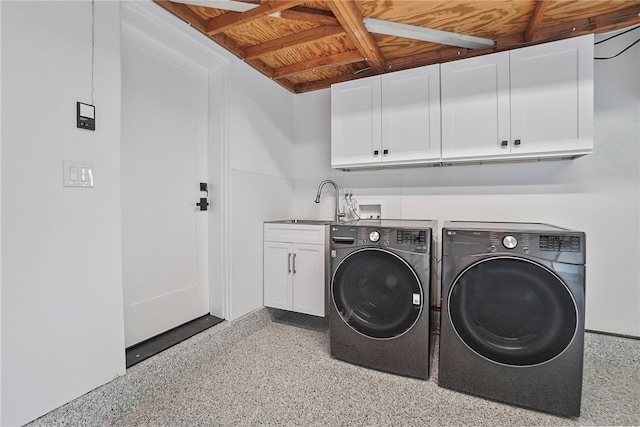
(232, 5)
(426, 34)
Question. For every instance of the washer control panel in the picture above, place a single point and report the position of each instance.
(407, 239)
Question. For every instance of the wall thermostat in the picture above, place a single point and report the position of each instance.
(86, 116)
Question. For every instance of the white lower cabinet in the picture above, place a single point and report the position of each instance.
(294, 271)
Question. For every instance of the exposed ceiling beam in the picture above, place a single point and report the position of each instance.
(323, 84)
(610, 21)
(536, 18)
(307, 14)
(231, 19)
(318, 64)
(232, 46)
(350, 18)
(310, 36)
(426, 58)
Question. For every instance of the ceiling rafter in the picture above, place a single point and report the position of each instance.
(440, 55)
(536, 19)
(232, 19)
(350, 18)
(325, 83)
(307, 14)
(624, 17)
(299, 39)
(319, 63)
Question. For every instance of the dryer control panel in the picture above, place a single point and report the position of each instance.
(560, 243)
(563, 247)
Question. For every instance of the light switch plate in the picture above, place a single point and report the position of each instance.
(77, 174)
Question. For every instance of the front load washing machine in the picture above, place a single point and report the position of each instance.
(379, 309)
(512, 326)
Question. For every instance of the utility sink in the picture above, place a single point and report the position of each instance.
(304, 221)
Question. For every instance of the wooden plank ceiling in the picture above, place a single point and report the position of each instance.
(309, 45)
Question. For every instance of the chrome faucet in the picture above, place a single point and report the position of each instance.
(328, 181)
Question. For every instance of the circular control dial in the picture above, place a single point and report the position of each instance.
(509, 242)
(374, 236)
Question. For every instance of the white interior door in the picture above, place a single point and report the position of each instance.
(164, 158)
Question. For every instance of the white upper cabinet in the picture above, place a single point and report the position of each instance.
(411, 116)
(533, 102)
(552, 98)
(392, 119)
(475, 107)
(355, 122)
(529, 103)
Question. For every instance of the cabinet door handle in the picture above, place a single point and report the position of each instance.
(294, 263)
(516, 142)
(289, 263)
(385, 152)
(375, 152)
(504, 143)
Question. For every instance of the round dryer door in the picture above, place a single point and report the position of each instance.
(377, 293)
(512, 311)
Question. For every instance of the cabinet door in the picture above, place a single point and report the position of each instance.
(411, 115)
(552, 98)
(278, 274)
(355, 122)
(309, 279)
(475, 107)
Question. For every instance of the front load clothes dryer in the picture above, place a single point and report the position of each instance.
(512, 326)
(379, 310)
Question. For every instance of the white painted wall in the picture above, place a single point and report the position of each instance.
(62, 327)
(1, 327)
(599, 193)
(261, 160)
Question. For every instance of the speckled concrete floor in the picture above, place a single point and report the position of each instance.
(282, 374)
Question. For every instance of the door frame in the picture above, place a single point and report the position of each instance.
(176, 35)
